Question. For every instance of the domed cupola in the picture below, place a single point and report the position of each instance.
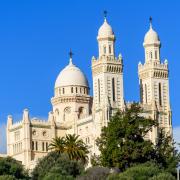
(151, 37)
(71, 81)
(105, 31)
(71, 75)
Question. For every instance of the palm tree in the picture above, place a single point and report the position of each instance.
(76, 148)
(58, 145)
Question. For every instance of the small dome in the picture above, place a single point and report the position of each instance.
(71, 75)
(105, 30)
(151, 37)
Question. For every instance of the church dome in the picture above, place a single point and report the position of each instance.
(71, 75)
(105, 30)
(151, 37)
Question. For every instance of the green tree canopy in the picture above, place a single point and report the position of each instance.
(166, 155)
(122, 142)
(56, 165)
(11, 168)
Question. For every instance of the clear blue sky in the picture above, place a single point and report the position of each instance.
(35, 37)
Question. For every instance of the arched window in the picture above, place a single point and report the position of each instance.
(141, 91)
(113, 89)
(80, 90)
(67, 112)
(36, 146)
(81, 112)
(32, 145)
(71, 89)
(76, 90)
(42, 146)
(104, 49)
(46, 146)
(84, 90)
(146, 93)
(87, 140)
(99, 91)
(160, 96)
(107, 114)
(57, 114)
(155, 54)
(63, 91)
(151, 55)
(109, 49)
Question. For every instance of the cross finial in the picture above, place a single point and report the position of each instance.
(105, 14)
(150, 20)
(70, 54)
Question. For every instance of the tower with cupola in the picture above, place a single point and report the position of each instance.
(107, 70)
(154, 82)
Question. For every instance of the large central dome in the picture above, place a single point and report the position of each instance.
(71, 75)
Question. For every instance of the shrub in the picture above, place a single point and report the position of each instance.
(139, 172)
(13, 168)
(95, 173)
(7, 177)
(163, 176)
(55, 164)
(52, 176)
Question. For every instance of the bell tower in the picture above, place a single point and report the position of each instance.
(154, 80)
(107, 75)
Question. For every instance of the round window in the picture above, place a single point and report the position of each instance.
(34, 133)
(44, 133)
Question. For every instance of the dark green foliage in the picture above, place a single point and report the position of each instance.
(163, 176)
(7, 177)
(56, 165)
(74, 147)
(122, 143)
(52, 176)
(141, 172)
(13, 168)
(58, 144)
(95, 173)
(166, 154)
(144, 171)
(95, 160)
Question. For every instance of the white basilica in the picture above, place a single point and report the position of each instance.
(75, 111)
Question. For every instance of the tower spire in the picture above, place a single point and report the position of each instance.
(150, 21)
(105, 15)
(70, 56)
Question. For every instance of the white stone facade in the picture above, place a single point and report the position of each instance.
(75, 111)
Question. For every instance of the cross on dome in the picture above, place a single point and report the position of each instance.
(151, 37)
(150, 21)
(105, 30)
(105, 14)
(70, 55)
(71, 75)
